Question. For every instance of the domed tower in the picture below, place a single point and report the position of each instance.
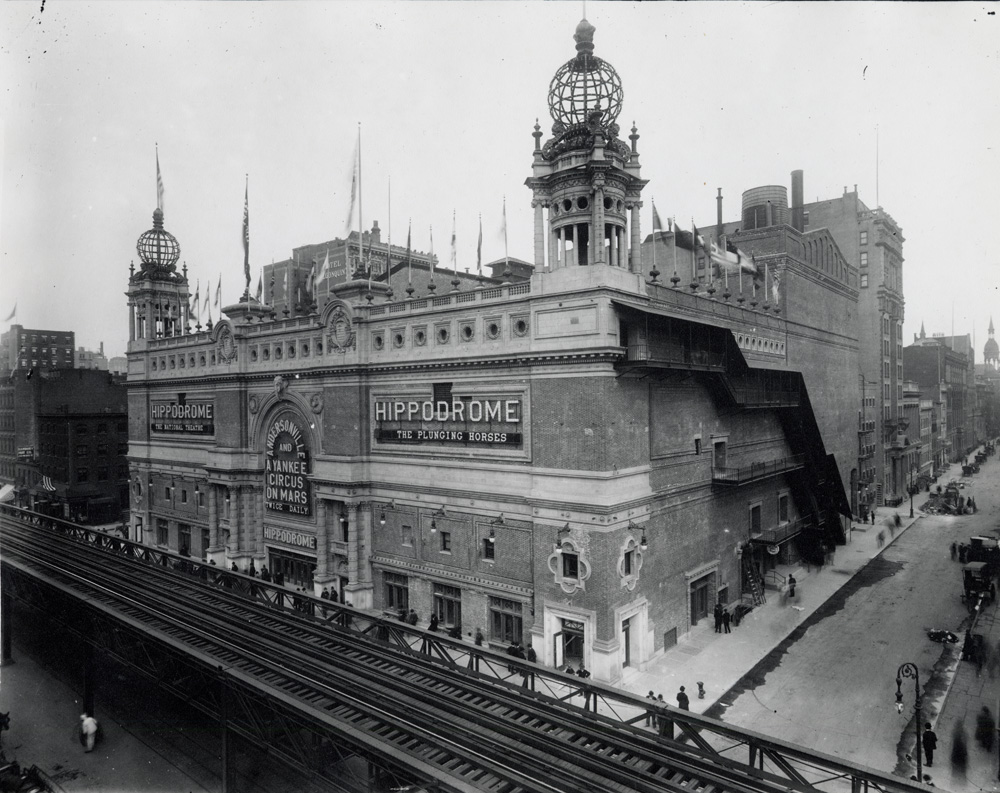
(157, 293)
(585, 175)
(991, 352)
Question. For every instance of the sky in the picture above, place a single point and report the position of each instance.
(446, 95)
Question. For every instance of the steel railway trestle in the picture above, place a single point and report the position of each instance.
(370, 703)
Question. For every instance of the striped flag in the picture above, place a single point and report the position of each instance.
(311, 285)
(246, 235)
(196, 302)
(218, 292)
(324, 270)
(260, 285)
(159, 182)
(12, 314)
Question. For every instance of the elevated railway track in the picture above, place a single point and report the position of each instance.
(370, 703)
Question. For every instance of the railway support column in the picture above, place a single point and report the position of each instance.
(322, 577)
(215, 550)
(6, 628)
(224, 727)
(89, 681)
(359, 548)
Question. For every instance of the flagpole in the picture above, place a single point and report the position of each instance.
(361, 239)
(694, 244)
(676, 279)
(388, 246)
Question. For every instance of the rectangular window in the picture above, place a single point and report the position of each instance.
(162, 538)
(697, 445)
(864, 237)
(102, 448)
(719, 454)
(755, 520)
(166, 492)
(445, 542)
(345, 529)
(570, 565)
(448, 605)
(82, 475)
(407, 535)
(489, 549)
(783, 508)
(199, 497)
(184, 496)
(864, 259)
(397, 591)
(629, 562)
(701, 262)
(82, 450)
(204, 543)
(505, 620)
(864, 280)
(184, 538)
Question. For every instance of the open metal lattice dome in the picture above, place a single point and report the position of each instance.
(157, 247)
(585, 84)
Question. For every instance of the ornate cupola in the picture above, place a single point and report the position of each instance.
(585, 175)
(991, 352)
(157, 293)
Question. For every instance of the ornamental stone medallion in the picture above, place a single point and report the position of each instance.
(341, 331)
(227, 346)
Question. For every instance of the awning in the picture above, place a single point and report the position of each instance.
(6, 494)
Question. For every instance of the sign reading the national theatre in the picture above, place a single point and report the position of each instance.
(192, 417)
(286, 469)
(457, 421)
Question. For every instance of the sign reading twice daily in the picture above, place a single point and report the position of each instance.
(286, 469)
(465, 421)
(194, 417)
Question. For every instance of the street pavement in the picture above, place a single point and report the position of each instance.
(820, 670)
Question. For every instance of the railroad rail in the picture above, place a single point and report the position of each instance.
(433, 710)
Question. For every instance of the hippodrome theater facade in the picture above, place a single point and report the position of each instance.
(587, 459)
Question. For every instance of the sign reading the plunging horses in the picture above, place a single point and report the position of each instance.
(286, 468)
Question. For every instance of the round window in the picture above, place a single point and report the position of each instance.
(397, 339)
(520, 327)
(582, 202)
(379, 341)
(442, 335)
(493, 330)
(419, 338)
(567, 204)
(467, 332)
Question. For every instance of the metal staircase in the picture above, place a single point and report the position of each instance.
(754, 581)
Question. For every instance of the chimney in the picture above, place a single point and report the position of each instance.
(718, 216)
(102, 348)
(797, 221)
(376, 234)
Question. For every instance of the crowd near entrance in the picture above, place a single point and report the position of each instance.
(297, 570)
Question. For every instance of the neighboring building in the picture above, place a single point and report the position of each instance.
(30, 348)
(939, 369)
(873, 242)
(581, 458)
(911, 433)
(67, 454)
(118, 365)
(89, 359)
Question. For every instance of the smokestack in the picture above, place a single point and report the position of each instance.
(797, 222)
(718, 216)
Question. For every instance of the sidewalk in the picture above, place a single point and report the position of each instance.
(764, 628)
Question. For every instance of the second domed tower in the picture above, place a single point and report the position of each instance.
(585, 175)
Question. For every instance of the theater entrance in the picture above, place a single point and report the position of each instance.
(296, 569)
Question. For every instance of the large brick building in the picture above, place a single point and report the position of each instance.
(586, 458)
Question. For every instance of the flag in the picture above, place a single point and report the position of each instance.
(218, 292)
(260, 285)
(12, 314)
(479, 248)
(246, 236)
(311, 285)
(432, 253)
(288, 295)
(454, 251)
(159, 182)
(409, 262)
(657, 223)
(324, 270)
(196, 303)
(354, 187)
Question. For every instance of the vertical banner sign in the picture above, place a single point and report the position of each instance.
(286, 469)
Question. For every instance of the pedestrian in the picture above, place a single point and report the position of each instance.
(663, 724)
(88, 731)
(479, 638)
(252, 570)
(898, 521)
(959, 749)
(334, 596)
(873, 517)
(411, 618)
(985, 729)
(455, 632)
(265, 574)
(583, 673)
(880, 538)
(726, 619)
(530, 654)
(433, 624)
(954, 550)
(651, 711)
(682, 699)
(235, 568)
(791, 585)
(279, 578)
(718, 617)
(325, 594)
(930, 744)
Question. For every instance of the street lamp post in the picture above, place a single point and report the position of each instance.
(911, 488)
(910, 670)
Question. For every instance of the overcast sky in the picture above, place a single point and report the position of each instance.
(724, 95)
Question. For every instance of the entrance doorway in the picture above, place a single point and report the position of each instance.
(297, 570)
(569, 644)
(627, 642)
(699, 598)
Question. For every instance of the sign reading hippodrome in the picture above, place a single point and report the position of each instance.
(192, 418)
(294, 538)
(465, 422)
(286, 469)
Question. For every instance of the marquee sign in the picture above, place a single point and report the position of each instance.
(192, 417)
(296, 539)
(468, 421)
(286, 468)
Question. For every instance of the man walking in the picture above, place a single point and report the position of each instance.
(88, 731)
(682, 699)
(930, 744)
(726, 619)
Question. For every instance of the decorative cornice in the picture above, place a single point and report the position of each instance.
(392, 564)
